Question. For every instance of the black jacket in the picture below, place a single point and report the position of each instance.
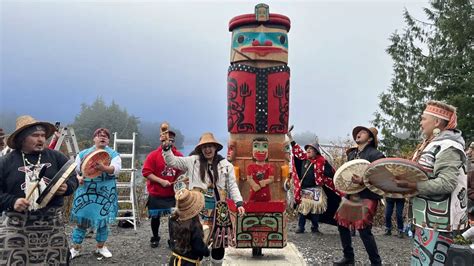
(370, 154)
(198, 248)
(12, 176)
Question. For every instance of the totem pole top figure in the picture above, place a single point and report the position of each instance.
(261, 36)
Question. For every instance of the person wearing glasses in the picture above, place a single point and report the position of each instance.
(95, 202)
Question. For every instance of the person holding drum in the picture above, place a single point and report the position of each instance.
(314, 190)
(25, 173)
(159, 183)
(365, 200)
(440, 208)
(214, 177)
(95, 201)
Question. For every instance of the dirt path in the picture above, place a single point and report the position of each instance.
(131, 247)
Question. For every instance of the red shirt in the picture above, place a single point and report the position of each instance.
(155, 164)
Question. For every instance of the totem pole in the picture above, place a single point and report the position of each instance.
(258, 90)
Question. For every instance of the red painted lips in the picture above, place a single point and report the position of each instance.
(263, 50)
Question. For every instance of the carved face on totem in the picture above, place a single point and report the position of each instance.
(260, 149)
(259, 42)
(262, 12)
(231, 150)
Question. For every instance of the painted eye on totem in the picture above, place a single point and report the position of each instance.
(282, 39)
(255, 146)
(265, 146)
(240, 39)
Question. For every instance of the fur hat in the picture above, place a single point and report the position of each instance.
(373, 132)
(207, 138)
(24, 122)
(188, 204)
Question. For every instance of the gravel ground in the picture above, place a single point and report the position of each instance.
(131, 247)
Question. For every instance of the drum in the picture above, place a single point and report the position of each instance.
(97, 156)
(62, 176)
(343, 176)
(380, 177)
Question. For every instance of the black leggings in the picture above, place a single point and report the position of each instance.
(155, 225)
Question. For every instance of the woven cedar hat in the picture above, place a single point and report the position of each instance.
(314, 146)
(188, 203)
(24, 122)
(373, 132)
(207, 138)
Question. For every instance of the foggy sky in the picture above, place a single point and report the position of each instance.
(168, 60)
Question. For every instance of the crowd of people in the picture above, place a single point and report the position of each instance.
(441, 208)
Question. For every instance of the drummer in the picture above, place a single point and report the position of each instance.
(442, 155)
(97, 213)
(19, 176)
(366, 140)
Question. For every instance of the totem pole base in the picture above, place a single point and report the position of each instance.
(284, 256)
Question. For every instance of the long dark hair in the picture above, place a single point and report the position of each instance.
(182, 232)
(203, 166)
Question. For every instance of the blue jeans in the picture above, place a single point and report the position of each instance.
(389, 210)
(314, 221)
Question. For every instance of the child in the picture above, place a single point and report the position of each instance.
(186, 231)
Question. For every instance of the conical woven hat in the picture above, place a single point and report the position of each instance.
(188, 203)
(206, 138)
(372, 131)
(24, 122)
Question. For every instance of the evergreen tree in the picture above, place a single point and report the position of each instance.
(432, 60)
(97, 115)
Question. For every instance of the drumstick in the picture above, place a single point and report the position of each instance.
(32, 190)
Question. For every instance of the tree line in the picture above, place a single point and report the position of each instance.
(113, 117)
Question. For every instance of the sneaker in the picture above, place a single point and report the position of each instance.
(74, 252)
(154, 242)
(104, 251)
(388, 233)
(299, 231)
(316, 231)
